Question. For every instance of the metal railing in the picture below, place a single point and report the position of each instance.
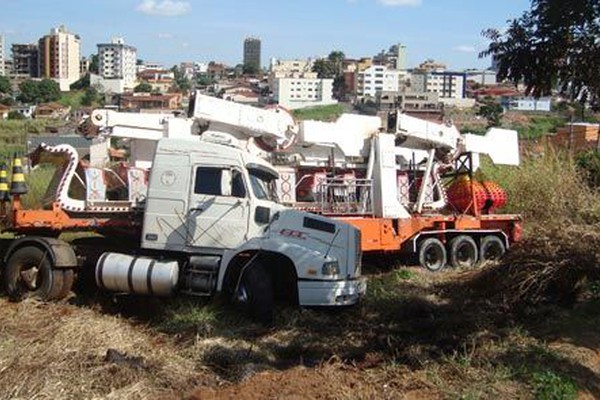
(345, 196)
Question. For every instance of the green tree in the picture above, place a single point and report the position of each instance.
(250, 69)
(82, 83)
(36, 92)
(554, 44)
(492, 112)
(8, 101)
(49, 90)
(29, 91)
(339, 87)
(332, 67)
(143, 87)
(324, 68)
(15, 115)
(89, 97)
(336, 59)
(94, 64)
(5, 85)
(182, 84)
(204, 80)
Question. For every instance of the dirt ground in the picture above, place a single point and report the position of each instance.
(417, 335)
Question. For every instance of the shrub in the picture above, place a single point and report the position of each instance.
(589, 165)
(548, 190)
(15, 115)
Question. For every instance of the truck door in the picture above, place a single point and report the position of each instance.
(218, 211)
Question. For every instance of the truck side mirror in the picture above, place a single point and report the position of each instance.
(262, 215)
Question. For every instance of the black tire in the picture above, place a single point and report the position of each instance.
(491, 248)
(432, 254)
(29, 273)
(463, 252)
(68, 279)
(255, 293)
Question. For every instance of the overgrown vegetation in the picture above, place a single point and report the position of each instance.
(37, 92)
(589, 166)
(13, 134)
(538, 125)
(72, 99)
(547, 190)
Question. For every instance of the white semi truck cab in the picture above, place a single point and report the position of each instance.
(212, 223)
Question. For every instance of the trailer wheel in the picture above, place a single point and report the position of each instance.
(68, 280)
(491, 248)
(255, 293)
(463, 252)
(29, 272)
(432, 254)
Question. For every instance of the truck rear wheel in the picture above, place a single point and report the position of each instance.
(463, 252)
(491, 248)
(29, 272)
(432, 254)
(255, 293)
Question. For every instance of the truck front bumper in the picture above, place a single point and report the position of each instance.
(331, 293)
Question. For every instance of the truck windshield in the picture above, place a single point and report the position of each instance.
(263, 185)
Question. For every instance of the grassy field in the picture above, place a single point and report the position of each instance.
(13, 134)
(537, 125)
(320, 113)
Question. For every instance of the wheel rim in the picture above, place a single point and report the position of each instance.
(492, 252)
(30, 277)
(465, 255)
(433, 257)
(241, 295)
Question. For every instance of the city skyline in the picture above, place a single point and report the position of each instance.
(171, 31)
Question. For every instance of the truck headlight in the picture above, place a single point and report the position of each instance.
(331, 268)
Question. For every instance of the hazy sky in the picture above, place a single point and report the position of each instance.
(170, 31)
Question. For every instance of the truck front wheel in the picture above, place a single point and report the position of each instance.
(29, 272)
(255, 293)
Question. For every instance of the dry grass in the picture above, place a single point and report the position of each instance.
(553, 264)
(51, 351)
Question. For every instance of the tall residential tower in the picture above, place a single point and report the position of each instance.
(59, 54)
(252, 53)
(117, 65)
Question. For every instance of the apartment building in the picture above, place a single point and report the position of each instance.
(25, 60)
(376, 78)
(116, 66)
(2, 66)
(289, 67)
(412, 103)
(447, 84)
(482, 77)
(59, 55)
(300, 92)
